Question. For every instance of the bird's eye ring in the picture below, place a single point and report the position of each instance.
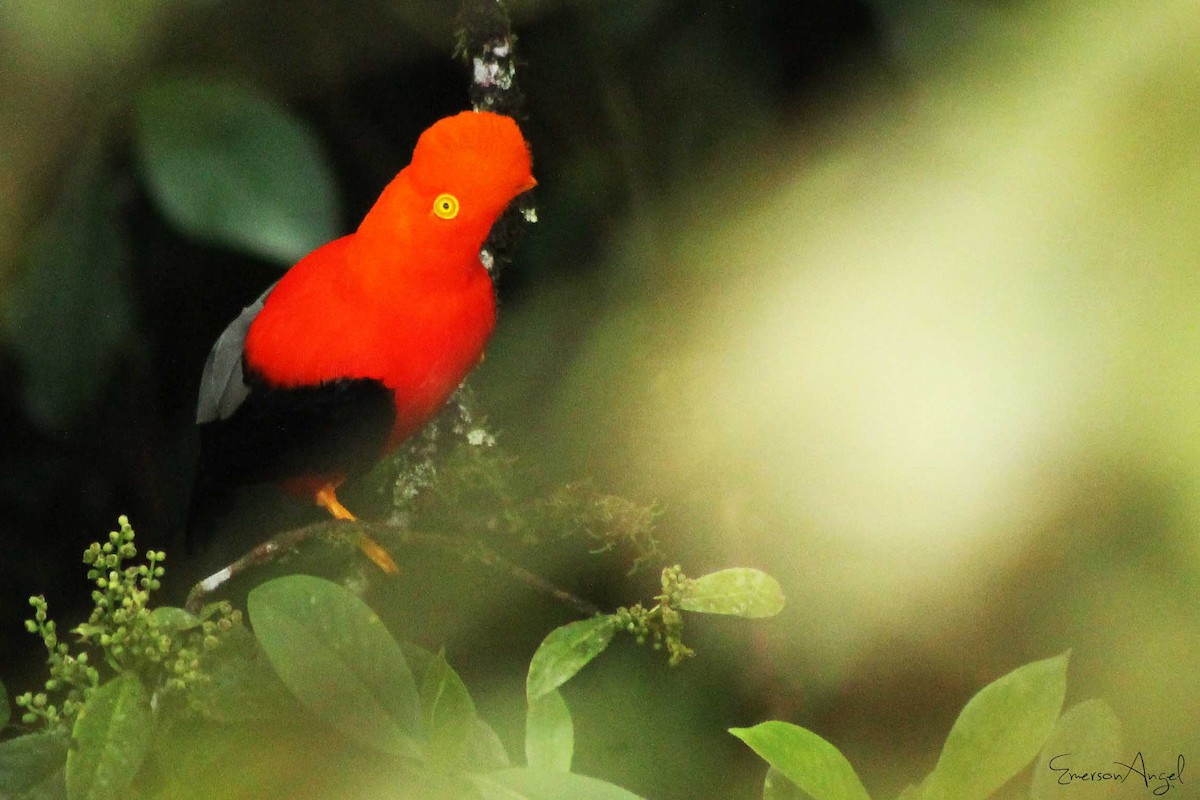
(446, 206)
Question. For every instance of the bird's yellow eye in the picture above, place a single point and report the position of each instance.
(446, 206)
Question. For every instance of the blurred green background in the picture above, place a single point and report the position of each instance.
(895, 299)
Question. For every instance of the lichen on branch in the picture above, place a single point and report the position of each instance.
(484, 39)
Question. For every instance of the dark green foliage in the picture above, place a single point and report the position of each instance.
(549, 733)
(998, 733)
(448, 714)
(73, 314)
(805, 759)
(229, 165)
(566, 651)
(336, 657)
(110, 740)
(242, 686)
(29, 760)
(164, 647)
(321, 699)
(738, 591)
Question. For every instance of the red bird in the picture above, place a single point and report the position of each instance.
(360, 344)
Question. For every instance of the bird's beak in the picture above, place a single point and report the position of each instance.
(532, 182)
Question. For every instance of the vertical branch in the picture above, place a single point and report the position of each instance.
(485, 41)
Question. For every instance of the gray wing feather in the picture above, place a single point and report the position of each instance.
(223, 386)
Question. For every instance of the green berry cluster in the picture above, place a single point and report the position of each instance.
(165, 647)
(662, 624)
(70, 675)
(121, 593)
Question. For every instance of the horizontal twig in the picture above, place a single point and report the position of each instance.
(393, 537)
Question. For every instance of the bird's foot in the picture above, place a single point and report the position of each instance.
(326, 498)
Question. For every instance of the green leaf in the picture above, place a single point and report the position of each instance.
(740, 591)
(565, 651)
(28, 760)
(448, 713)
(524, 783)
(1087, 737)
(230, 166)
(242, 683)
(197, 758)
(53, 788)
(334, 653)
(419, 659)
(112, 735)
(805, 759)
(549, 733)
(71, 315)
(777, 787)
(484, 749)
(999, 731)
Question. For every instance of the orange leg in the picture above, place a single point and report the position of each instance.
(326, 498)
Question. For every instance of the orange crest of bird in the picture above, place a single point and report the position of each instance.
(360, 343)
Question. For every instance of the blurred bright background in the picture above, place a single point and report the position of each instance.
(894, 299)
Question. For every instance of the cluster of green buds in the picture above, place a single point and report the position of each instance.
(118, 623)
(180, 641)
(674, 582)
(70, 675)
(662, 624)
(164, 646)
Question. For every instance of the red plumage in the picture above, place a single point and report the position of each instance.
(296, 390)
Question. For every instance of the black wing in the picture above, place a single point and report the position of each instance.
(337, 427)
(254, 432)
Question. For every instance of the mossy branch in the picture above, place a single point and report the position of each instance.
(345, 534)
(484, 39)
